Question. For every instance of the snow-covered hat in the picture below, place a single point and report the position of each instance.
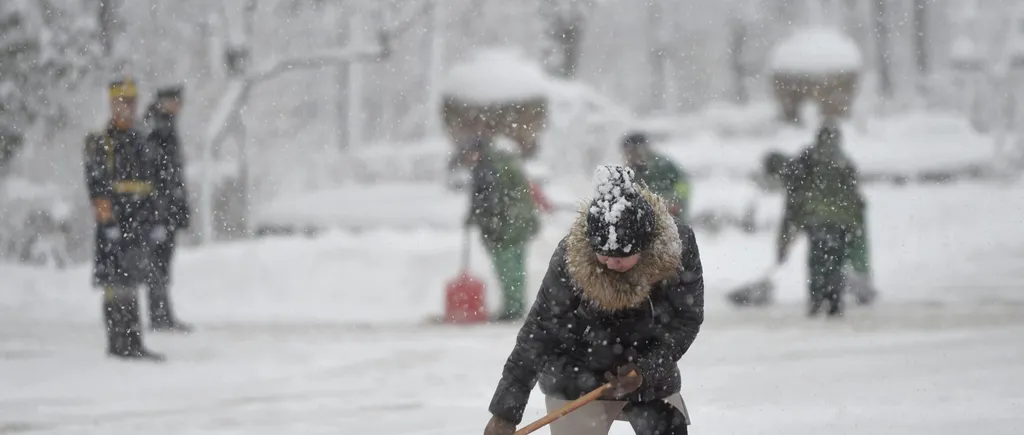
(620, 221)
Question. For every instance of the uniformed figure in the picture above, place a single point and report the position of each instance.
(122, 172)
(173, 210)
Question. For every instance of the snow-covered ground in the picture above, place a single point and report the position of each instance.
(321, 335)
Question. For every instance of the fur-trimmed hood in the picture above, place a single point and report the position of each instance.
(609, 290)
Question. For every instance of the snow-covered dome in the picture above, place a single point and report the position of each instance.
(964, 50)
(816, 50)
(495, 76)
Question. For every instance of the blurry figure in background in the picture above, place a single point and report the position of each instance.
(123, 173)
(173, 214)
(823, 201)
(502, 206)
(857, 269)
(661, 175)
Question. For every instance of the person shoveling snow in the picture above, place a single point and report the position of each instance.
(624, 293)
(822, 200)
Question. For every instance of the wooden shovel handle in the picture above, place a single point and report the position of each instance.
(563, 411)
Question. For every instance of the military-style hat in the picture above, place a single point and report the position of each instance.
(123, 88)
(173, 91)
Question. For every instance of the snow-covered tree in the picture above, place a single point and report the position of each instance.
(565, 21)
(46, 48)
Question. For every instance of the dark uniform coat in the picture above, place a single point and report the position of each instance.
(124, 167)
(173, 195)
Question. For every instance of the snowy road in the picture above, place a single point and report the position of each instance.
(314, 336)
(898, 369)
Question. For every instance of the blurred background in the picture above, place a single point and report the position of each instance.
(317, 137)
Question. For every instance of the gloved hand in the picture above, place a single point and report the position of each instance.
(499, 426)
(625, 380)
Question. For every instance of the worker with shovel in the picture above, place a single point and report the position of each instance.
(622, 301)
(502, 207)
(823, 200)
(846, 206)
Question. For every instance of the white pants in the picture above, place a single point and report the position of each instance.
(596, 418)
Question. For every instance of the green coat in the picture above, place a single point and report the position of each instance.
(668, 181)
(822, 187)
(502, 205)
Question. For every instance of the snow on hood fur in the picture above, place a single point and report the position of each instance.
(609, 290)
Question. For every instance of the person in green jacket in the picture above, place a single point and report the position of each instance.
(858, 266)
(823, 201)
(659, 173)
(502, 207)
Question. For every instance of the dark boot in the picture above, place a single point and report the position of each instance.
(814, 305)
(657, 417)
(161, 316)
(835, 308)
(158, 280)
(124, 328)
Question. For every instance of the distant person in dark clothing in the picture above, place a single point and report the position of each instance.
(161, 118)
(823, 200)
(122, 173)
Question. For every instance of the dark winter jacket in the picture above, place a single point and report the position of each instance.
(821, 187)
(125, 168)
(173, 196)
(588, 320)
(502, 205)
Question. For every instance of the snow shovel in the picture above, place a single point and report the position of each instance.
(755, 294)
(565, 410)
(464, 294)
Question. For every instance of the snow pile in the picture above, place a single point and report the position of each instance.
(613, 183)
(496, 76)
(816, 50)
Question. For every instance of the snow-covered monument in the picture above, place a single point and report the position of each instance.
(496, 93)
(499, 91)
(816, 64)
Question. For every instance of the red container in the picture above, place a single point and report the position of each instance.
(464, 300)
(539, 198)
